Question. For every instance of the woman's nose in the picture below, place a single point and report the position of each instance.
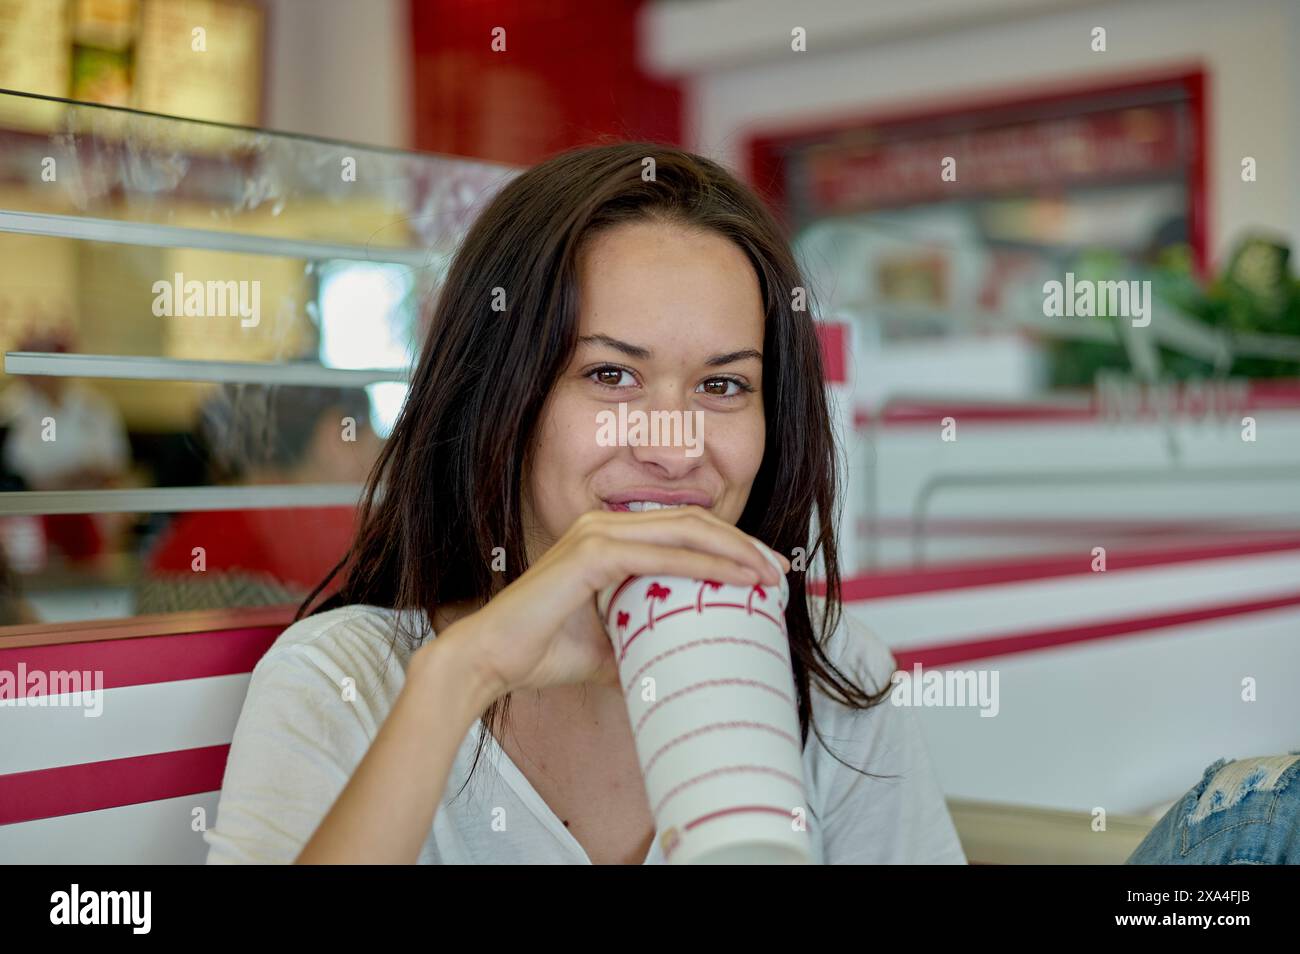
(668, 432)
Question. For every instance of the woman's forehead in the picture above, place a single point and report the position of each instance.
(640, 285)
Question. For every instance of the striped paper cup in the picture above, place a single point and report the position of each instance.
(705, 668)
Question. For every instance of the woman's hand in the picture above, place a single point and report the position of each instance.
(542, 630)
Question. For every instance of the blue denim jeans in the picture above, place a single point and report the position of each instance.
(1244, 812)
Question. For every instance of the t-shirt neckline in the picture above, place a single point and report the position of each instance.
(529, 795)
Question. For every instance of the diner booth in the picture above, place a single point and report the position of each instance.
(221, 298)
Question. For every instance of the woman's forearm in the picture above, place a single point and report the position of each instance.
(384, 814)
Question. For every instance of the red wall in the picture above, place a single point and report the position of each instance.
(568, 75)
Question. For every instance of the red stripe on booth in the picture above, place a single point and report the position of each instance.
(906, 581)
(149, 659)
(835, 350)
(948, 654)
(94, 786)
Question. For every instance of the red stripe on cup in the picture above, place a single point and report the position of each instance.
(738, 810)
(718, 727)
(728, 770)
(725, 812)
(706, 684)
(779, 622)
(694, 644)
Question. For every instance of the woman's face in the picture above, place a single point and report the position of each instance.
(671, 321)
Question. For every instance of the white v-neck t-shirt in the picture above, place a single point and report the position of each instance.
(305, 727)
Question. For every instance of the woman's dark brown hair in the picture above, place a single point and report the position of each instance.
(447, 487)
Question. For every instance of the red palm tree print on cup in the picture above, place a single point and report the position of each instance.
(623, 618)
(707, 585)
(655, 592)
(758, 591)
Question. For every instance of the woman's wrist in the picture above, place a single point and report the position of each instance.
(451, 668)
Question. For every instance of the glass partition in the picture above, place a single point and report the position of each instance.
(206, 330)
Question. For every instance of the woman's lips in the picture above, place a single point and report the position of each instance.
(626, 508)
(655, 495)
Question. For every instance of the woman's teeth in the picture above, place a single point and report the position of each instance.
(636, 506)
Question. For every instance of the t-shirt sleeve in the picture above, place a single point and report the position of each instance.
(902, 819)
(296, 744)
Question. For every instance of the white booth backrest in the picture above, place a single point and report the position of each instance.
(1117, 688)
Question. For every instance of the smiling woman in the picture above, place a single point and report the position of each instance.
(496, 512)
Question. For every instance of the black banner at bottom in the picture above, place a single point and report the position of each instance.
(207, 904)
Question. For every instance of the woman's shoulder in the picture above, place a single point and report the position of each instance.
(853, 647)
(342, 624)
(895, 813)
(350, 640)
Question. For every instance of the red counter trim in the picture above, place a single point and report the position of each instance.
(949, 654)
(908, 581)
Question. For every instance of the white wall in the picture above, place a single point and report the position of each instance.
(866, 58)
(1126, 723)
(340, 69)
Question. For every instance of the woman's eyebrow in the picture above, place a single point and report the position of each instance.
(637, 351)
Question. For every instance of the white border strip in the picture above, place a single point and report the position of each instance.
(179, 499)
(84, 228)
(969, 614)
(150, 833)
(198, 713)
(130, 367)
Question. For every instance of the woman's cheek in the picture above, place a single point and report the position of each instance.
(757, 442)
(738, 451)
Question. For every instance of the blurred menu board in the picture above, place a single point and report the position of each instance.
(103, 34)
(201, 59)
(35, 56)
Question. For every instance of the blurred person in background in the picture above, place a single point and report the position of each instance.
(63, 435)
(14, 609)
(261, 557)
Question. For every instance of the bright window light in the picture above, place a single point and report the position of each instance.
(366, 321)
(386, 400)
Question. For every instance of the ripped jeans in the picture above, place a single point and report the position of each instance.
(1243, 812)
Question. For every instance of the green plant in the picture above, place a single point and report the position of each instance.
(1256, 293)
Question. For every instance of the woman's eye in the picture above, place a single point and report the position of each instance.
(613, 378)
(609, 377)
(725, 383)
